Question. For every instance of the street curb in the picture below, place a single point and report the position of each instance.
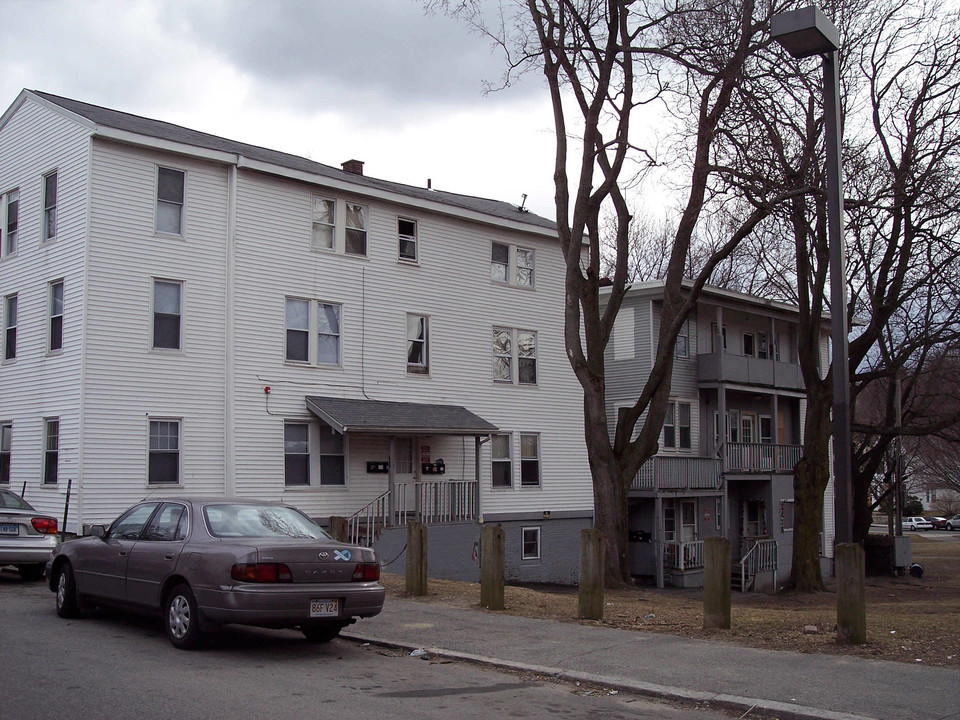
(759, 707)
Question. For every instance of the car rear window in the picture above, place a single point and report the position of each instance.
(15, 502)
(235, 520)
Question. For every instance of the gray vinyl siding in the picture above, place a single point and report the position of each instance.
(34, 142)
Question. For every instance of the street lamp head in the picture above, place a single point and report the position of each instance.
(805, 32)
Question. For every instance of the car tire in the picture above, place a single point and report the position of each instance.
(68, 605)
(181, 618)
(31, 573)
(949, 527)
(321, 632)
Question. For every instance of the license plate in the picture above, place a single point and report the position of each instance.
(325, 608)
(9, 529)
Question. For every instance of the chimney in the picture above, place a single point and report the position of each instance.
(353, 166)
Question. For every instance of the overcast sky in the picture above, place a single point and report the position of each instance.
(375, 80)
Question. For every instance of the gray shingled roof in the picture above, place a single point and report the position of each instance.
(380, 416)
(175, 133)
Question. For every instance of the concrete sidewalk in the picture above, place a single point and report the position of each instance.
(781, 684)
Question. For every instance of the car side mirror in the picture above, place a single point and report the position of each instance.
(97, 531)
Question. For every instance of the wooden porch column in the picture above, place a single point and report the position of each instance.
(658, 539)
(391, 466)
(477, 442)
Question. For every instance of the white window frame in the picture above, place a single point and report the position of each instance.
(10, 313)
(6, 451)
(527, 460)
(536, 531)
(515, 357)
(319, 222)
(669, 514)
(171, 202)
(748, 426)
(299, 455)
(9, 227)
(753, 344)
(515, 273)
(158, 315)
(411, 240)
(313, 332)
(786, 526)
(51, 448)
(507, 461)
(49, 223)
(323, 452)
(162, 451)
(422, 367)
(55, 317)
(347, 228)
(302, 332)
(672, 420)
(682, 349)
(763, 346)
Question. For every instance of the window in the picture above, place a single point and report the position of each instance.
(168, 524)
(501, 465)
(164, 462)
(9, 219)
(325, 348)
(683, 341)
(331, 457)
(776, 347)
(523, 351)
(296, 453)
(746, 428)
(6, 442)
(403, 456)
(713, 337)
(734, 425)
(417, 345)
(407, 236)
(688, 521)
(49, 206)
(324, 223)
(10, 327)
(669, 520)
(531, 543)
(51, 450)
(749, 350)
(718, 517)
(786, 515)
(511, 265)
(529, 460)
(170, 185)
(763, 351)
(676, 426)
(356, 238)
(55, 322)
(766, 429)
(166, 314)
(129, 525)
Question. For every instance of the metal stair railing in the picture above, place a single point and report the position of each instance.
(762, 557)
(373, 517)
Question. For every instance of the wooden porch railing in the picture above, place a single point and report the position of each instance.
(760, 457)
(665, 472)
(680, 555)
(762, 557)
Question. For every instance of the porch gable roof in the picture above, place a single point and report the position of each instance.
(401, 418)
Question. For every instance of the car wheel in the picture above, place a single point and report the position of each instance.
(181, 617)
(31, 573)
(321, 632)
(949, 527)
(67, 603)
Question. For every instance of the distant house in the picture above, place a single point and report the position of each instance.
(731, 438)
(185, 313)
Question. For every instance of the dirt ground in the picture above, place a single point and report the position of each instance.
(909, 619)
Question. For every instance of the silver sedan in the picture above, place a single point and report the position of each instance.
(27, 537)
(207, 562)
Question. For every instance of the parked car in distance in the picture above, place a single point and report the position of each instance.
(953, 523)
(202, 563)
(938, 523)
(27, 537)
(916, 523)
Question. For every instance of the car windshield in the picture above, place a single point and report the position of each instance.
(236, 520)
(13, 501)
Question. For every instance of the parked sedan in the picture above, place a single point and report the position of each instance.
(916, 523)
(938, 523)
(953, 523)
(207, 562)
(27, 537)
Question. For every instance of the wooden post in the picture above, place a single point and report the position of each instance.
(716, 583)
(338, 528)
(851, 595)
(416, 568)
(492, 547)
(590, 601)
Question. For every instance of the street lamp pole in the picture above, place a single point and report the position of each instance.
(804, 33)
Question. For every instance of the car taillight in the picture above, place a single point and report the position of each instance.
(47, 526)
(262, 572)
(367, 572)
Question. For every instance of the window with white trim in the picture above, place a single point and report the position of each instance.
(338, 226)
(167, 313)
(676, 426)
(49, 206)
(10, 327)
(356, 231)
(407, 239)
(323, 235)
(531, 543)
(418, 344)
(170, 193)
(9, 221)
(296, 453)
(669, 520)
(515, 356)
(683, 340)
(511, 265)
(55, 317)
(164, 452)
(51, 450)
(763, 350)
(749, 346)
(321, 347)
(529, 460)
(786, 515)
(6, 445)
(501, 464)
(332, 456)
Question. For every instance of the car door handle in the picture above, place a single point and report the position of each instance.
(123, 553)
(168, 556)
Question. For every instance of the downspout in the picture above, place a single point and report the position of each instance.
(229, 394)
